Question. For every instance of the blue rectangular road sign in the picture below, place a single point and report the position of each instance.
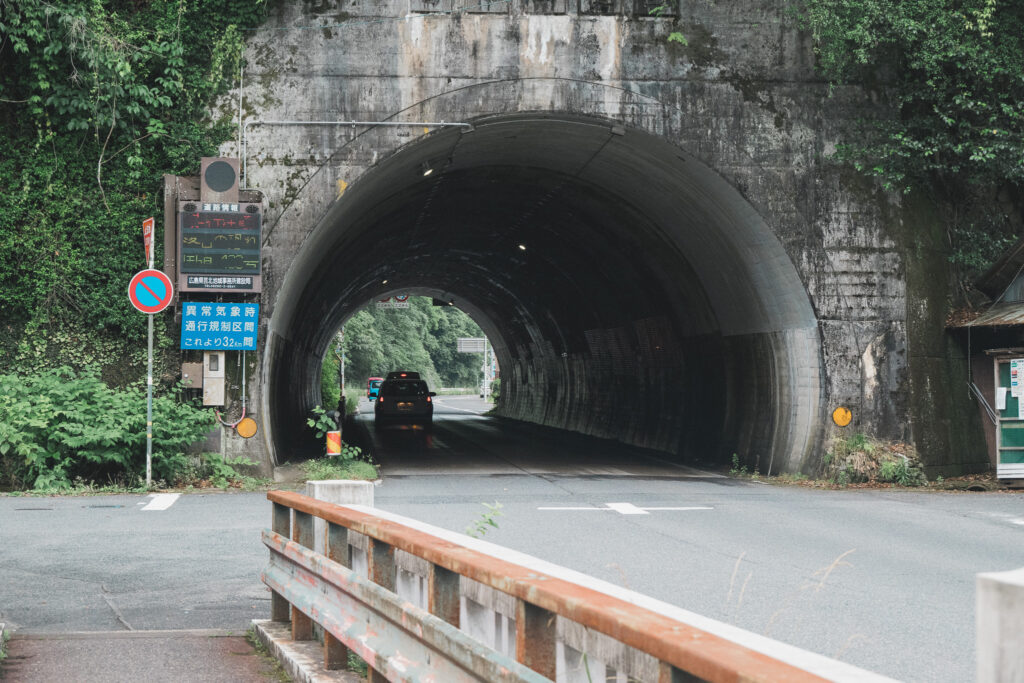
(223, 326)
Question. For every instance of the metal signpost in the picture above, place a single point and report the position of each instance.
(477, 345)
(150, 291)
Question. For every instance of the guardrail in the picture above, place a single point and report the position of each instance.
(401, 641)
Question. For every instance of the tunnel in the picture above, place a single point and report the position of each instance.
(629, 291)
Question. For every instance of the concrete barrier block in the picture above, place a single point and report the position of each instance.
(1000, 626)
(339, 492)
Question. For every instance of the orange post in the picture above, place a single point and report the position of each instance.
(333, 443)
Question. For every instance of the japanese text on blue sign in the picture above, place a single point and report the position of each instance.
(230, 327)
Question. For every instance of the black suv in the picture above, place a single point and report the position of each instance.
(404, 400)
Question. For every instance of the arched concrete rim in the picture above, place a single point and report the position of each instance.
(675, 192)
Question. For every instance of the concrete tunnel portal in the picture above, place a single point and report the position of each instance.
(629, 291)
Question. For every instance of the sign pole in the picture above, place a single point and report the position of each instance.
(150, 244)
(149, 409)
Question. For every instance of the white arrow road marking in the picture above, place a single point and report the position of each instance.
(162, 501)
(627, 508)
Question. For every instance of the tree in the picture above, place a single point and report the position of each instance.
(421, 338)
(953, 73)
(98, 99)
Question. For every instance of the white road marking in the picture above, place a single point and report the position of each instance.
(162, 501)
(627, 508)
(451, 407)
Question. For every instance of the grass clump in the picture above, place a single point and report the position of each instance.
(332, 468)
(351, 463)
(860, 459)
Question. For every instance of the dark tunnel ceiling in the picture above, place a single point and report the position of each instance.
(618, 226)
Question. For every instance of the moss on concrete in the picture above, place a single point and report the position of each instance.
(945, 423)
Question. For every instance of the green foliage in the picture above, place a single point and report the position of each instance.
(421, 338)
(859, 458)
(321, 422)
(330, 380)
(98, 99)
(496, 389)
(901, 472)
(674, 36)
(60, 424)
(337, 468)
(220, 472)
(954, 70)
(352, 397)
(486, 521)
(737, 470)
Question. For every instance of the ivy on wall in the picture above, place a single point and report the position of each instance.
(98, 99)
(953, 71)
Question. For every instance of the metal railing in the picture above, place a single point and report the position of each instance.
(401, 641)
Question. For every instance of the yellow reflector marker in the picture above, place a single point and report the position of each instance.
(246, 428)
(842, 416)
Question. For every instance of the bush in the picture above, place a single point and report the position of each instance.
(60, 425)
(860, 459)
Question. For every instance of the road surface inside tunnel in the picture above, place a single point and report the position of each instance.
(464, 440)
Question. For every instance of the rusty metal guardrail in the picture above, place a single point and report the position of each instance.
(402, 642)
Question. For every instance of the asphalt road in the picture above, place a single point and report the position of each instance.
(881, 579)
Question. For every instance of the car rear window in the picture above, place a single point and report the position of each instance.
(403, 387)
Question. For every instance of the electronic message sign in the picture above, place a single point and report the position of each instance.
(219, 247)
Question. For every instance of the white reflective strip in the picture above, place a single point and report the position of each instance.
(162, 501)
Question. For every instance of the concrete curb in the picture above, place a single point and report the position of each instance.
(302, 660)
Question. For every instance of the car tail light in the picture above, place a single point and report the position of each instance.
(380, 399)
(428, 399)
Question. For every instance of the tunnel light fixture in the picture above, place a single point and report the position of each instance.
(426, 168)
(522, 247)
(384, 281)
(451, 302)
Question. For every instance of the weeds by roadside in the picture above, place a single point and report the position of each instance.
(486, 521)
(333, 468)
(277, 672)
(209, 471)
(860, 461)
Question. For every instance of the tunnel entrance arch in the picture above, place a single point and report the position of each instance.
(631, 292)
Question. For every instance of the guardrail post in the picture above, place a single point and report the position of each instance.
(335, 653)
(382, 563)
(535, 638)
(443, 594)
(302, 533)
(281, 523)
(670, 674)
(382, 570)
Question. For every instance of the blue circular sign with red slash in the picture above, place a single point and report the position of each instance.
(150, 291)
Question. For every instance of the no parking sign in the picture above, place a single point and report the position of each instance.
(150, 291)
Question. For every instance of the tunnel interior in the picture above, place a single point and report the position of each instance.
(629, 291)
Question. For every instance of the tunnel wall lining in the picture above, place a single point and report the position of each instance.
(743, 102)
